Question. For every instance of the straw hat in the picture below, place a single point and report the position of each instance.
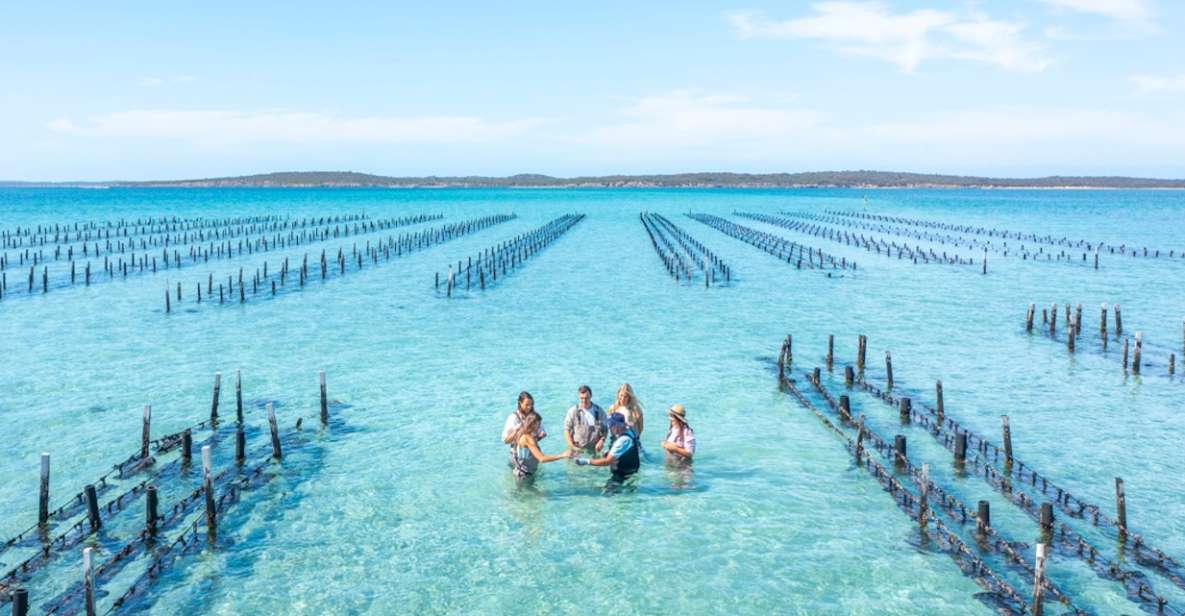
(677, 412)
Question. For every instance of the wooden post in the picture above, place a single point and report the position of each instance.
(1007, 443)
(1046, 518)
(1103, 322)
(849, 376)
(888, 371)
(899, 450)
(816, 376)
(845, 407)
(1029, 318)
(860, 440)
(324, 401)
(906, 407)
(1172, 363)
(217, 393)
(271, 420)
(43, 493)
(960, 448)
(150, 511)
(1039, 580)
(88, 581)
(239, 395)
(92, 506)
(1071, 334)
(1120, 508)
(830, 351)
(861, 349)
(1136, 354)
(145, 432)
(240, 444)
(983, 518)
(186, 446)
(941, 410)
(1118, 321)
(208, 488)
(923, 491)
(20, 602)
(1126, 344)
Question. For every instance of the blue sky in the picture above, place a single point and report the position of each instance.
(1007, 87)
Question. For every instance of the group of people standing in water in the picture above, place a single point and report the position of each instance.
(595, 437)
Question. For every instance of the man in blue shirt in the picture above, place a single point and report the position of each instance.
(623, 459)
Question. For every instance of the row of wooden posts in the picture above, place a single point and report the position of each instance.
(1074, 329)
(870, 243)
(792, 252)
(689, 257)
(176, 232)
(1133, 581)
(971, 564)
(506, 256)
(1085, 245)
(19, 596)
(38, 234)
(384, 250)
(985, 245)
(147, 262)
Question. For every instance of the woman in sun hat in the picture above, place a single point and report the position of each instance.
(680, 441)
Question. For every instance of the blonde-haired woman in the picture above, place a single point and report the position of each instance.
(627, 404)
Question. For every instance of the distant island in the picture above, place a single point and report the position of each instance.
(815, 179)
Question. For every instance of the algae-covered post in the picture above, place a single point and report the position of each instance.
(923, 492)
(906, 408)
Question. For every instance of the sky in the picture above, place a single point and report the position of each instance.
(124, 90)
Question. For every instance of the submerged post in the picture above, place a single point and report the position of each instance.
(1136, 354)
(899, 450)
(960, 448)
(888, 371)
(849, 376)
(906, 408)
(830, 351)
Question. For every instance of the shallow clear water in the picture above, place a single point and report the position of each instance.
(406, 504)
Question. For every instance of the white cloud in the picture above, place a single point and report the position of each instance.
(1133, 11)
(225, 127)
(687, 118)
(1155, 84)
(906, 39)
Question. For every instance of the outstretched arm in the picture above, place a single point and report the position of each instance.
(605, 461)
(533, 446)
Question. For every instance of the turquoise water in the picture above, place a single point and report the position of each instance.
(406, 504)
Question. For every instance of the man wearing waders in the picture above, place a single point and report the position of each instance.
(584, 425)
(622, 459)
